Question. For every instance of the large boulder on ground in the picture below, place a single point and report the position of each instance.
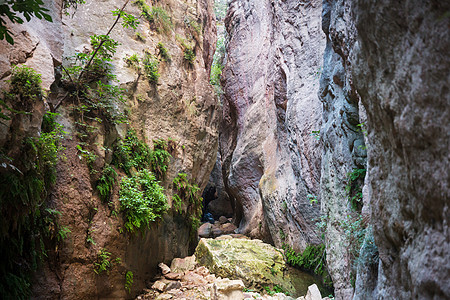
(256, 263)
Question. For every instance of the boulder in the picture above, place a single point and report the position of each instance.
(313, 293)
(228, 289)
(257, 264)
(173, 285)
(204, 231)
(181, 265)
(159, 285)
(223, 220)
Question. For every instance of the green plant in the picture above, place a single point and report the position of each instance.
(105, 183)
(312, 259)
(312, 198)
(104, 262)
(131, 153)
(189, 55)
(89, 157)
(151, 65)
(128, 281)
(28, 228)
(190, 23)
(13, 10)
(155, 15)
(190, 194)
(26, 83)
(132, 61)
(282, 234)
(355, 180)
(276, 289)
(139, 36)
(160, 158)
(142, 200)
(315, 134)
(163, 51)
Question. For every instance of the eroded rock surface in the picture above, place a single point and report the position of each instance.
(270, 159)
(401, 69)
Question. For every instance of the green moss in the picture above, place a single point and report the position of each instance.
(142, 200)
(312, 259)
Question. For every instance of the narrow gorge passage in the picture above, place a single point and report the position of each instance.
(224, 149)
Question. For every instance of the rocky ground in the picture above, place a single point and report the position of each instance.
(245, 261)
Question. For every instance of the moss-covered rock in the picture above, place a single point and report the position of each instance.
(256, 263)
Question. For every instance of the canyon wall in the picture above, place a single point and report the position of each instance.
(181, 107)
(271, 160)
(342, 137)
(401, 70)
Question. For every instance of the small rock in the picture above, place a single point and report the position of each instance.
(164, 268)
(216, 232)
(313, 293)
(173, 285)
(223, 220)
(228, 228)
(164, 297)
(210, 278)
(193, 278)
(204, 231)
(228, 289)
(203, 271)
(173, 276)
(159, 285)
(181, 265)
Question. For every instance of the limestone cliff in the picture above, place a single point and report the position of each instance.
(180, 107)
(271, 160)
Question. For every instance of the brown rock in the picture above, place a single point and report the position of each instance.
(164, 268)
(193, 278)
(159, 285)
(181, 265)
(216, 232)
(228, 228)
(173, 276)
(204, 231)
(173, 285)
(223, 220)
(203, 271)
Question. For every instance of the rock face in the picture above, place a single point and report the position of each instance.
(270, 159)
(342, 138)
(182, 106)
(401, 68)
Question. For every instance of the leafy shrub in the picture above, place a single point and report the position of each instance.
(26, 83)
(160, 158)
(132, 61)
(26, 222)
(156, 15)
(139, 36)
(105, 184)
(151, 65)
(163, 51)
(131, 153)
(142, 200)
